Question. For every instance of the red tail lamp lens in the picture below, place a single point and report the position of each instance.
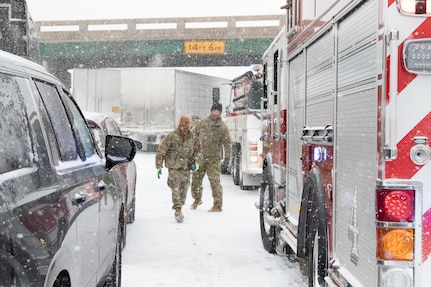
(395, 205)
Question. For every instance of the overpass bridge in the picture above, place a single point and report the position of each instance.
(157, 42)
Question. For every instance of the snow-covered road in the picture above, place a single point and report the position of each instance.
(208, 249)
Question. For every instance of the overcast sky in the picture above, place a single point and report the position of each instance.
(49, 10)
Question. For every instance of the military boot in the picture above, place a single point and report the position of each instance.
(215, 209)
(196, 203)
(179, 217)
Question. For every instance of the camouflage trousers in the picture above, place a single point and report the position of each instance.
(179, 182)
(211, 167)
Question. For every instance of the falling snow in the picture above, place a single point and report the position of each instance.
(208, 249)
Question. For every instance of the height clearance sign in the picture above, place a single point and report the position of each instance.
(204, 47)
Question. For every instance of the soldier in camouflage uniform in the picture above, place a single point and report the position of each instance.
(211, 134)
(177, 152)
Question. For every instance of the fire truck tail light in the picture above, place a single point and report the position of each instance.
(395, 244)
(395, 277)
(395, 205)
(415, 7)
(417, 55)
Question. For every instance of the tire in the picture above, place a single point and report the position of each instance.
(131, 211)
(63, 280)
(114, 277)
(240, 174)
(266, 203)
(12, 272)
(225, 168)
(318, 234)
(123, 231)
(241, 181)
(236, 165)
(318, 260)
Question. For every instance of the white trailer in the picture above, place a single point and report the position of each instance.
(147, 102)
(244, 122)
(346, 120)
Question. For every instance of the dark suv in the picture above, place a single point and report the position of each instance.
(60, 205)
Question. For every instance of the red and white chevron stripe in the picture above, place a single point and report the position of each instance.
(414, 119)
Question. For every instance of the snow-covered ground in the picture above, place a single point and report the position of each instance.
(207, 249)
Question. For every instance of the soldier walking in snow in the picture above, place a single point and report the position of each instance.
(211, 134)
(177, 152)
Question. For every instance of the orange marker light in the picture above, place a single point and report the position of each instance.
(395, 244)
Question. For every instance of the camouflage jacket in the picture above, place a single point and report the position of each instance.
(211, 134)
(176, 151)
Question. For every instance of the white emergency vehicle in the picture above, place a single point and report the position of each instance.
(346, 116)
(244, 122)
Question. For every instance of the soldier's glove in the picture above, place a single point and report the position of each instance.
(159, 173)
(195, 167)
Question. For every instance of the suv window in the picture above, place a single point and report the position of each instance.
(16, 145)
(63, 131)
(82, 133)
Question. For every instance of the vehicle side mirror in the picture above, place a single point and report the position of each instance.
(138, 145)
(119, 149)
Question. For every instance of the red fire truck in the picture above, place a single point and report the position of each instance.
(346, 116)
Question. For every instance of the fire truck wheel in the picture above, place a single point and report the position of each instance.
(318, 260)
(266, 204)
(318, 235)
